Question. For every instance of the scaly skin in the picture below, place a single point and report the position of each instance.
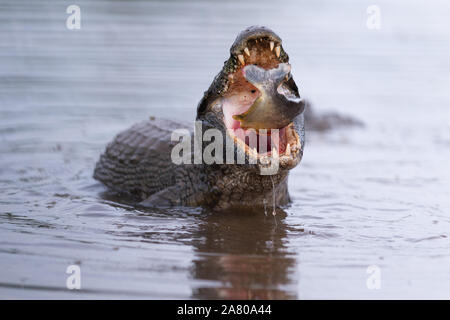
(138, 161)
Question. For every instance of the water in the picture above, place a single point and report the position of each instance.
(377, 195)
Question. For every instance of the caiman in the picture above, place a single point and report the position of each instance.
(254, 92)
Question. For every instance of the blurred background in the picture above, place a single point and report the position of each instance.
(373, 195)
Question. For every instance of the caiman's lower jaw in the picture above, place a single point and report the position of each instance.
(282, 143)
(240, 96)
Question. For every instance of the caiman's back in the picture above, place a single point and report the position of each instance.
(138, 160)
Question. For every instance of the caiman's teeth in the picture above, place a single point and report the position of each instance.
(288, 150)
(264, 160)
(298, 142)
(272, 44)
(247, 52)
(241, 58)
(274, 153)
(287, 77)
(277, 51)
(255, 152)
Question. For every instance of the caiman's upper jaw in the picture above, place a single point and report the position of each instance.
(254, 35)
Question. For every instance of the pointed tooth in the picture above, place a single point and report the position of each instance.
(288, 150)
(247, 52)
(277, 51)
(274, 153)
(241, 58)
(255, 152)
(272, 44)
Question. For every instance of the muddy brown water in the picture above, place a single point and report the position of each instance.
(372, 196)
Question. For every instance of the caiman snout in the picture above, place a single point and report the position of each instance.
(278, 103)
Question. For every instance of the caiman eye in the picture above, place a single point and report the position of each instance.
(253, 91)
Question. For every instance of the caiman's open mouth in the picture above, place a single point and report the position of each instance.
(264, 51)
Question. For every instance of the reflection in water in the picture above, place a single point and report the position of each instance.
(246, 254)
(237, 254)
